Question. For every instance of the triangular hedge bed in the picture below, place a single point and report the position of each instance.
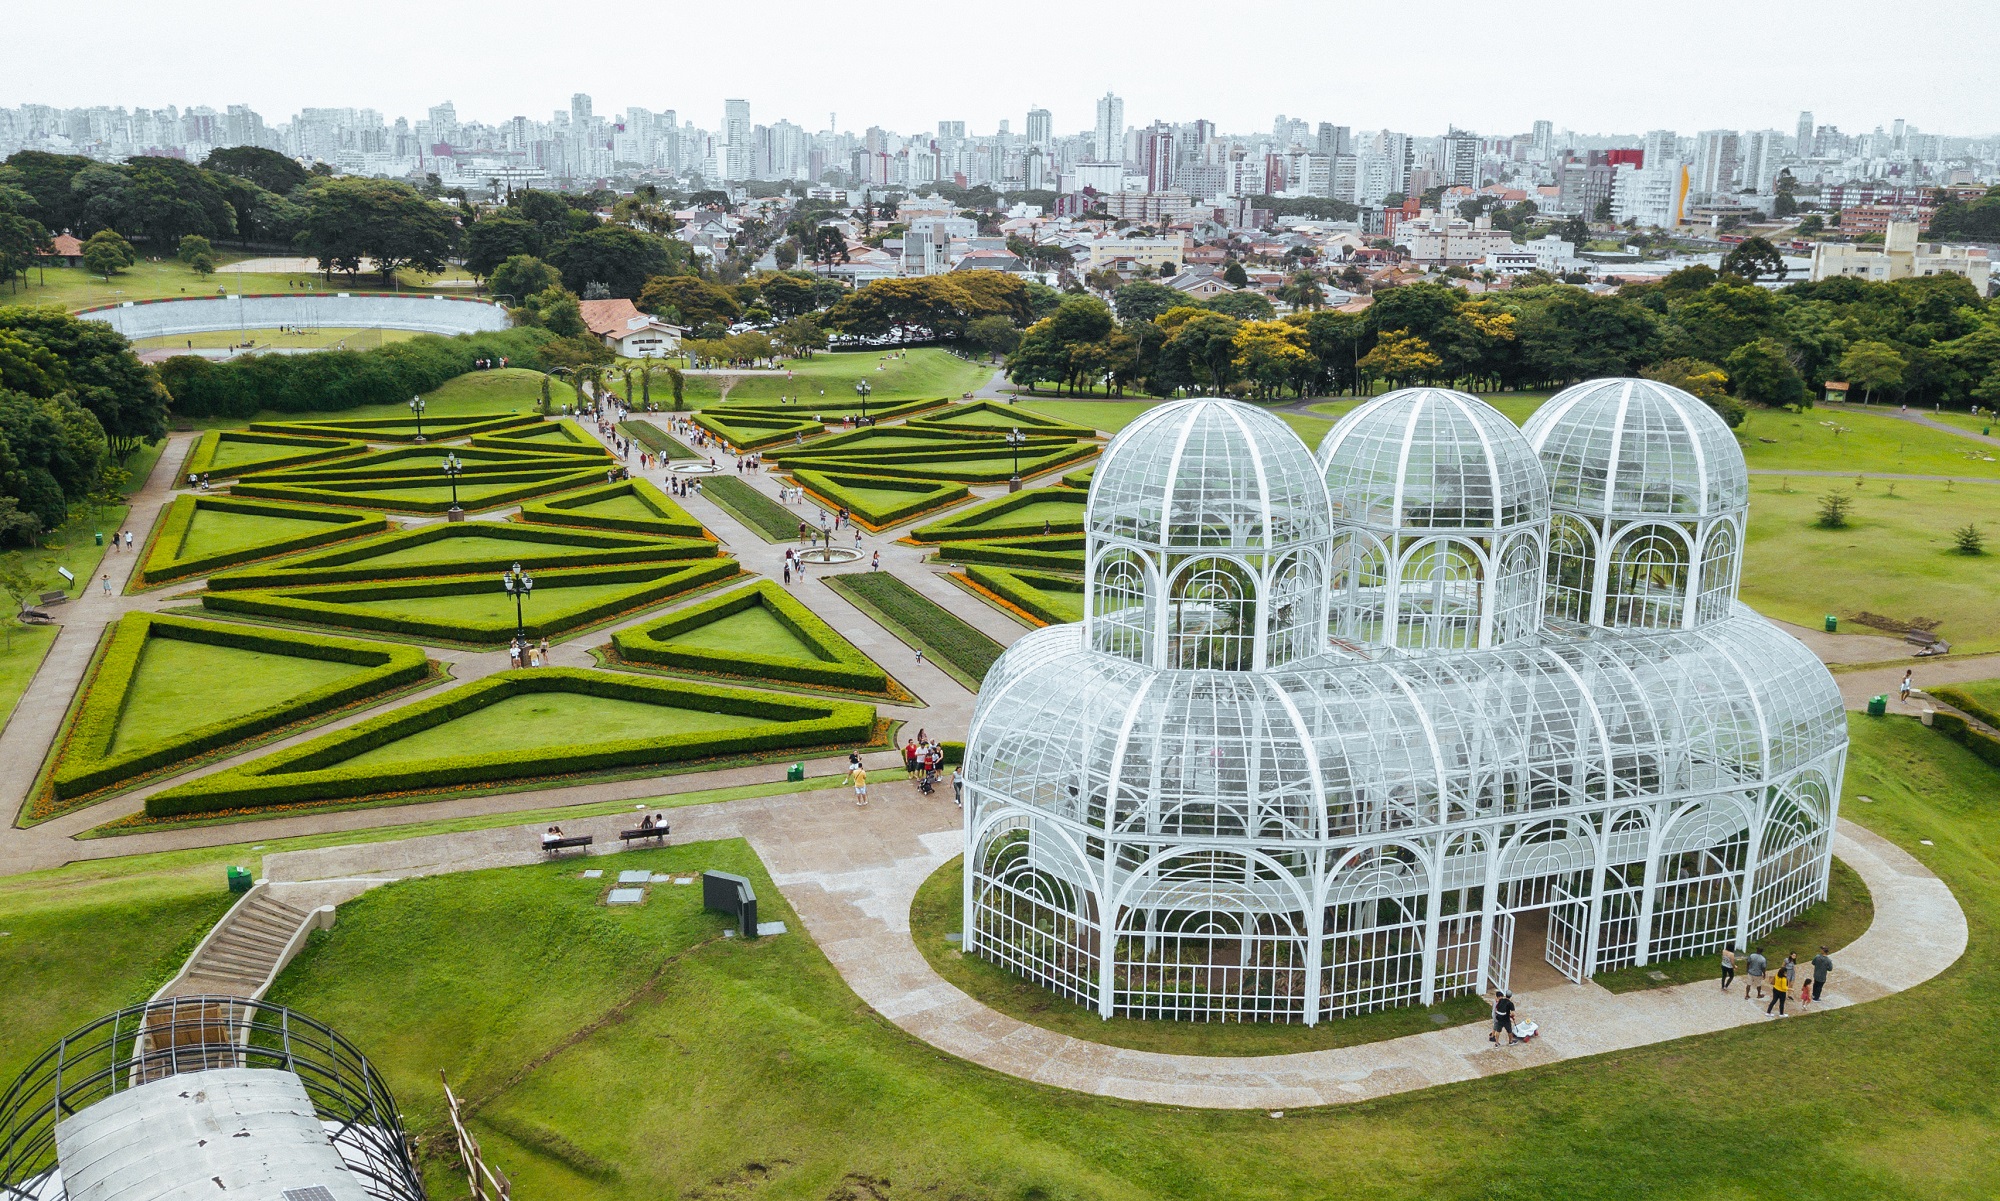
(427, 463)
(834, 663)
(401, 429)
(463, 548)
(421, 608)
(861, 495)
(476, 490)
(88, 759)
(562, 435)
(1048, 598)
(992, 417)
(634, 505)
(176, 550)
(1015, 515)
(751, 431)
(225, 454)
(1057, 552)
(324, 768)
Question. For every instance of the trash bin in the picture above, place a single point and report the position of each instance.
(239, 880)
(100, 537)
(1832, 624)
(1878, 706)
(795, 773)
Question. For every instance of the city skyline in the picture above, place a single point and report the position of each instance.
(1370, 81)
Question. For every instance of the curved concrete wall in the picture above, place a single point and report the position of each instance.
(429, 314)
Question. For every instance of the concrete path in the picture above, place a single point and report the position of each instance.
(1914, 417)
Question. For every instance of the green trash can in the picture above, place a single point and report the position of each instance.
(100, 537)
(239, 880)
(1832, 624)
(795, 773)
(1878, 706)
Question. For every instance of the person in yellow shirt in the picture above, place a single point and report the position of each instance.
(859, 776)
(1780, 985)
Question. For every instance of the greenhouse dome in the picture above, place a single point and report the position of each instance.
(1271, 838)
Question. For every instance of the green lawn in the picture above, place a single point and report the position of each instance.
(961, 651)
(453, 550)
(278, 339)
(754, 630)
(1895, 558)
(762, 515)
(233, 454)
(215, 532)
(74, 545)
(1981, 424)
(76, 288)
(492, 607)
(21, 652)
(549, 719)
(1847, 441)
(181, 685)
(924, 373)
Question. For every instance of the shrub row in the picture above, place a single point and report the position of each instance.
(655, 439)
(331, 380)
(401, 429)
(1959, 698)
(987, 519)
(558, 436)
(312, 772)
(669, 518)
(1028, 591)
(87, 765)
(1979, 742)
(835, 409)
(950, 641)
(846, 667)
(379, 494)
(163, 550)
(991, 466)
(1058, 553)
(426, 463)
(1003, 417)
(954, 444)
(837, 491)
(1078, 479)
(542, 548)
(201, 459)
(753, 431)
(339, 604)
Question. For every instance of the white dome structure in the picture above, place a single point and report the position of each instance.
(1443, 517)
(1163, 823)
(1650, 495)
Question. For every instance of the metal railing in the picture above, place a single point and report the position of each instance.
(164, 1038)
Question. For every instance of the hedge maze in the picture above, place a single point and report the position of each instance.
(878, 502)
(634, 505)
(1016, 515)
(224, 454)
(197, 534)
(758, 631)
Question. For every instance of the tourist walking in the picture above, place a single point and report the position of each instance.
(1728, 967)
(1822, 967)
(107, 586)
(859, 776)
(1780, 985)
(1755, 978)
(1503, 1017)
(958, 788)
(128, 541)
(910, 759)
(1903, 692)
(875, 564)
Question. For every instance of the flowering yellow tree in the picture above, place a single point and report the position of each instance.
(1400, 356)
(1272, 354)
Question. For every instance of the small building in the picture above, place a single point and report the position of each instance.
(1200, 282)
(67, 252)
(628, 332)
(1161, 255)
(1901, 256)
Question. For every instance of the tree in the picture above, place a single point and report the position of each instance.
(352, 219)
(1833, 508)
(801, 336)
(1244, 306)
(106, 253)
(826, 247)
(1575, 231)
(1272, 355)
(493, 239)
(556, 310)
(787, 294)
(192, 247)
(1602, 212)
(1787, 201)
(1400, 356)
(690, 300)
(621, 259)
(269, 170)
(1760, 371)
(1200, 350)
(17, 582)
(1754, 258)
(1873, 365)
(22, 238)
(1302, 291)
(521, 276)
(1143, 300)
(1234, 275)
(99, 372)
(1702, 379)
(993, 335)
(1811, 223)
(1967, 540)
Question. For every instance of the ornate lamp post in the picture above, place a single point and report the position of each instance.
(417, 407)
(451, 469)
(862, 388)
(518, 584)
(1015, 439)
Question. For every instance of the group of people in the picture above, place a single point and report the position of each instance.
(199, 481)
(489, 364)
(1786, 983)
(923, 759)
(527, 653)
(124, 536)
(683, 487)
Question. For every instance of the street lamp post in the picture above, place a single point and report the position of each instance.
(518, 584)
(1015, 439)
(417, 407)
(862, 388)
(451, 469)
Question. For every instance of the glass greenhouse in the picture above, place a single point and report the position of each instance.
(1335, 728)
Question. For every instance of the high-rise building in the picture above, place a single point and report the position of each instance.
(738, 146)
(1110, 141)
(1804, 147)
(1041, 129)
(1660, 148)
(1544, 138)
(1157, 156)
(1333, 139)
(1762, 157)
(1715, 161)
(1459, 159)
(579, 109)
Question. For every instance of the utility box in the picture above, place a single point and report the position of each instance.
(239, 880)
(1878, 706)
(731, 894)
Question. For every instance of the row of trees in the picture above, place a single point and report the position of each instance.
(74, 401)
(1931, 340)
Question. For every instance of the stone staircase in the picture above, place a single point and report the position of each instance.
(245, 950)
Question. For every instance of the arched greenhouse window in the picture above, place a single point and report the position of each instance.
(1357, 588)
(1517, 591)
(1572, 568)
(1646, 587)
(1293, 627)
(1437, 603)
(1718, 573)
(1121, 608)
(1212, 616)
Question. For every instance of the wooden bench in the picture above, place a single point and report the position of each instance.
(660, 832)
(51, 598)
(565, 844)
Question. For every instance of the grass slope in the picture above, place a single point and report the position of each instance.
(923, 373)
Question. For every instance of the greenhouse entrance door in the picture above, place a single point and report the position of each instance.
(1500, 960)
(1565, 941)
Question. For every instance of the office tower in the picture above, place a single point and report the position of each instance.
(1804, 146)
(1157, 156)
(1715, 161)
(1333, 139)
(1459, 167)
(1660, 148)
(953, 131)
(579, 109)
(1544, 139)
(739, 148)
(1109, 145)
(1040, 128)
(1762, 153)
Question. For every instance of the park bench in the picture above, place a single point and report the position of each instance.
(565, 844)
(660, 832)
(51, 598)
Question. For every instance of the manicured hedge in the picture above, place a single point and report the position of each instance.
(836, 491)
(972, 461)
(865, 443)
(324, 605)
(378, 494)
(653, 438)
(846, 666)
(201, 459)
(1979, 742)
(834, 409)
(1959, 698)
(1027, 591)
(542, 548)
(85, 764)
(163, 561)
(1005, 417)
(425, 464)
(1079, 479)
(672, 520)
(751, 431)
(330, 380)
(958, 648)
(312, 771)
(1053, 553)
(401, 429)
(562, 436)
(988, 519)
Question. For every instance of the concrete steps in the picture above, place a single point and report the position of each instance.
(244, 951)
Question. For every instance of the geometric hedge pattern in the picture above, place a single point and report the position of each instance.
(462, 548)
(758, 630)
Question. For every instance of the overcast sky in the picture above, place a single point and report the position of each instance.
(904, 65)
